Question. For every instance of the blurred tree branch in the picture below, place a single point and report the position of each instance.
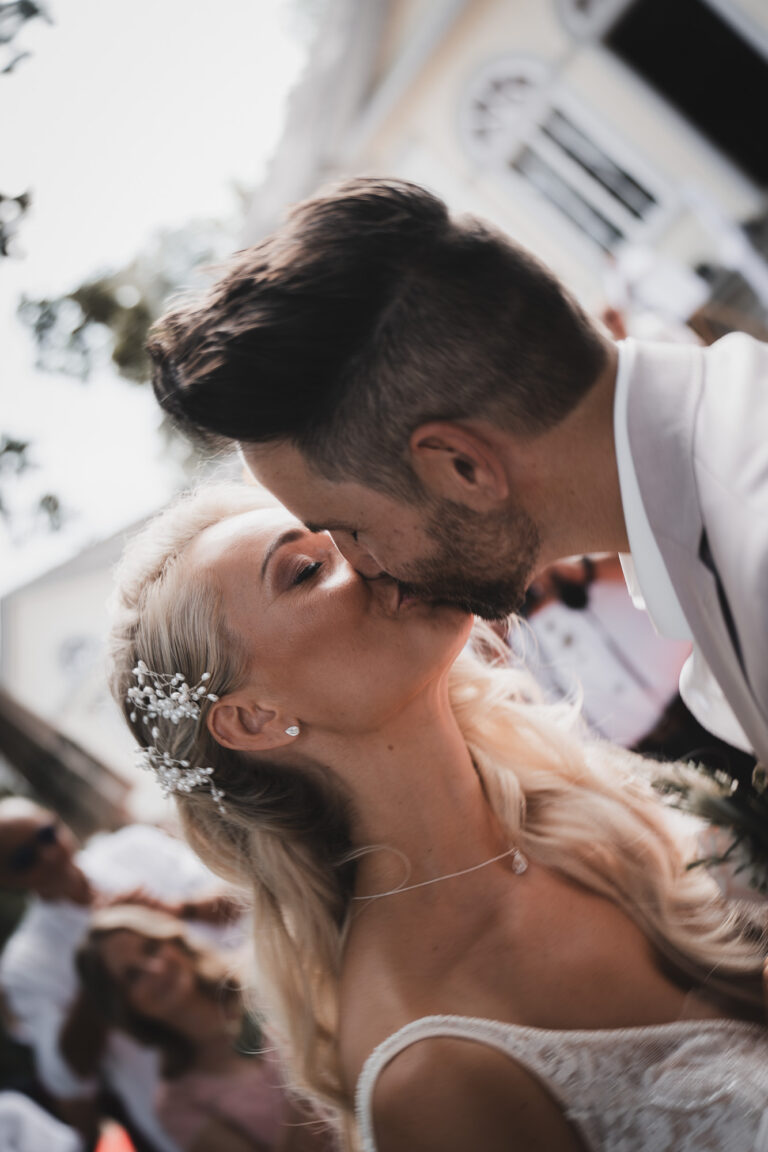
(14, 14)
(117, 309)
(106, 318)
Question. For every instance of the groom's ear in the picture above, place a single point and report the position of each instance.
(238, 722)
(459, 464)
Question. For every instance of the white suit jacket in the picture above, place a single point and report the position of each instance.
(698, 433)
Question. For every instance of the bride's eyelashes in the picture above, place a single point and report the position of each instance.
(306, 571)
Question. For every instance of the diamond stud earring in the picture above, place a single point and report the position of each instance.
(292, 730)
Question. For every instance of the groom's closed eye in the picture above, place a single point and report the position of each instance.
(353, 532)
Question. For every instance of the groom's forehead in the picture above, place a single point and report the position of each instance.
(317, 501)
(280, 464)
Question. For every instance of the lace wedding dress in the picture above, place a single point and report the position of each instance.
(689, 1086)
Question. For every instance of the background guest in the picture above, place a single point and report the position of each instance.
(221, 1084)
(38, 855)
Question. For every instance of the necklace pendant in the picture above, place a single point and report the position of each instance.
(519, 865)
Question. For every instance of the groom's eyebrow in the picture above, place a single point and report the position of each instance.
(328, 526)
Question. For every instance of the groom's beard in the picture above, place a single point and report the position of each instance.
(481, 563)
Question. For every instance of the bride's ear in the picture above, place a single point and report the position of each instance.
(237, 722)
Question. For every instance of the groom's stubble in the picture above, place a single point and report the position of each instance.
(479, 562)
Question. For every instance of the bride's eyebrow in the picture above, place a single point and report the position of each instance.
(287, 537)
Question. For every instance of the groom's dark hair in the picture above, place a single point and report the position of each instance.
(369, 312)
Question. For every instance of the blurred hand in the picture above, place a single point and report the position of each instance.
(216, 909)
(134, 896)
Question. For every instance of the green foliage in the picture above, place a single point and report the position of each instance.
(130, 336)
(14, 454)
(50, 507)
(66, 329)
(58, 329)
(12, 210)
(112, 313)
(14, 14)
(14, 459)
(741, 809)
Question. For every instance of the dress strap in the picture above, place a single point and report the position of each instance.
(633, 1089)
(495, 1035)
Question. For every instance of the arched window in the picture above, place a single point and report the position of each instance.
(521, 122)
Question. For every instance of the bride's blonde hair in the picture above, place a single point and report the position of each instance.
(581, 806)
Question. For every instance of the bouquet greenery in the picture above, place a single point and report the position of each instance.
(737, 806)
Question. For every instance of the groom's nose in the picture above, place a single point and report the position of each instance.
(357, 555)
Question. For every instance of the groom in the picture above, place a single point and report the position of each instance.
(429, 393)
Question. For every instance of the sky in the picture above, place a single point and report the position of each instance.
(129, 116)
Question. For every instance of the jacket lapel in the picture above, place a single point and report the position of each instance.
(664, 395)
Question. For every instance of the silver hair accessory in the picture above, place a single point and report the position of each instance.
(161, 695)
(292, 730)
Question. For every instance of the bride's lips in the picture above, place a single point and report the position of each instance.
(405, 597)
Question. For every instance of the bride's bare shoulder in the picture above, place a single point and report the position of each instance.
(447, 1095)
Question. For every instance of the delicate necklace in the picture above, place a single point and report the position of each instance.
(519, 865)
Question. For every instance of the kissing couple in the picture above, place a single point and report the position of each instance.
(475, 925)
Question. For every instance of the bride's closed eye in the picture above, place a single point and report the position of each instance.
(306, 571)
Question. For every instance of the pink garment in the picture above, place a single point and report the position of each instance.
(252, 1101)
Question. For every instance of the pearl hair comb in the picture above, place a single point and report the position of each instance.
(167, 696)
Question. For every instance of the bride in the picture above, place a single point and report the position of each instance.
(472, 920)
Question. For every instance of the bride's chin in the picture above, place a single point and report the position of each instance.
(448, 626)
(456, 625)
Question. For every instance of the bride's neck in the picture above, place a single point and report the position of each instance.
(415, 790)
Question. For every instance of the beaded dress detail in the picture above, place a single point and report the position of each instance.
(688, 1086)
